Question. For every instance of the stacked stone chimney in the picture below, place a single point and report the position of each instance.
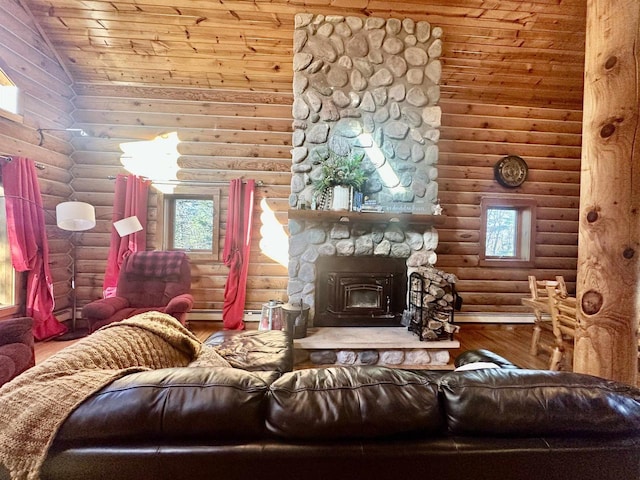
(366, 85)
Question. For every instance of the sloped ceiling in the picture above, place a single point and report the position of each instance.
(506, 46)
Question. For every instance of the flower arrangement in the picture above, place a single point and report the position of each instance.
(341, 170)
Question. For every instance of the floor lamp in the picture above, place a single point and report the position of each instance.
(74, 217)
(127, 226)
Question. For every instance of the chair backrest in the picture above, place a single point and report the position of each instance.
(151, 279)
(539, 288)
(563, 317)
(563, 308)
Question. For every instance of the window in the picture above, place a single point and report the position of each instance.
(10, 299)
(7, 277)
(9, 98)
(507, 232)
(190, 221)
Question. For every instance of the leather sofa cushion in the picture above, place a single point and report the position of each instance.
(173, 404)
(255, 350)
(353, 402)
(537, 402)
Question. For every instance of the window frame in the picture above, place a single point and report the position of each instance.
(526, 232)
(165, 222)
(18, 279)
(5, 80)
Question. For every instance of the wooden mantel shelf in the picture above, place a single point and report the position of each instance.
(366, 217)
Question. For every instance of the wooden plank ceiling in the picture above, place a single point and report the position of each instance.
(508, 47)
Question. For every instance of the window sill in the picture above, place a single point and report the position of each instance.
(9, 311)
(201, 256)
(506, 263)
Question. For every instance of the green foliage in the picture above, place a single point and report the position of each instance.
(501, 235)
(344, 170)
(193, 224)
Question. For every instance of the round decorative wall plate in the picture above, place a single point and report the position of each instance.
(511, 171)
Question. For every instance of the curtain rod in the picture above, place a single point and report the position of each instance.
(259, 183)
(7, 158)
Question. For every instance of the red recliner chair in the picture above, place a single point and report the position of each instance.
(154, 280)
(16, 347)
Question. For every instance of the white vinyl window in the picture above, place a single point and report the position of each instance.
(190, 220)
(507, 232)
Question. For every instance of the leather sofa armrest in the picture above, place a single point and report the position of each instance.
(104, 308)
(180, 304)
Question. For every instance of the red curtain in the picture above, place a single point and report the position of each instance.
(236, 252)
(131, 196)
(28, 243)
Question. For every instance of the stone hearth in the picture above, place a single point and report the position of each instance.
(386, 346)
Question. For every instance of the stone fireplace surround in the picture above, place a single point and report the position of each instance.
(367, 85)
(311, 239)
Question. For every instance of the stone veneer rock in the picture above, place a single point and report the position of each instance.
(368, 85)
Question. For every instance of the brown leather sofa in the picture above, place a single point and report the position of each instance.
(358, 422)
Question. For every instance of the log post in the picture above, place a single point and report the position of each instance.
(609, 233)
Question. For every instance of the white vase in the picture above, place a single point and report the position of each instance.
(341, 198)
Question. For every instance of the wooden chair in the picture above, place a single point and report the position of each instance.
(539, 303)
(564, 322)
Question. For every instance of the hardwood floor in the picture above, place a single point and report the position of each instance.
(512, 341)
(508, 340)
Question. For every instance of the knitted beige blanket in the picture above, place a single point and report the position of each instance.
(35, 404)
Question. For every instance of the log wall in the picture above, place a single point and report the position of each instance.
(46, 104)
(223, 135)
(511, 84)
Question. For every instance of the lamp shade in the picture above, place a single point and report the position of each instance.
(127, 226)
(75, 216)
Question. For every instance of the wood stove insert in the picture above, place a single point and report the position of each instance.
(360, 291)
